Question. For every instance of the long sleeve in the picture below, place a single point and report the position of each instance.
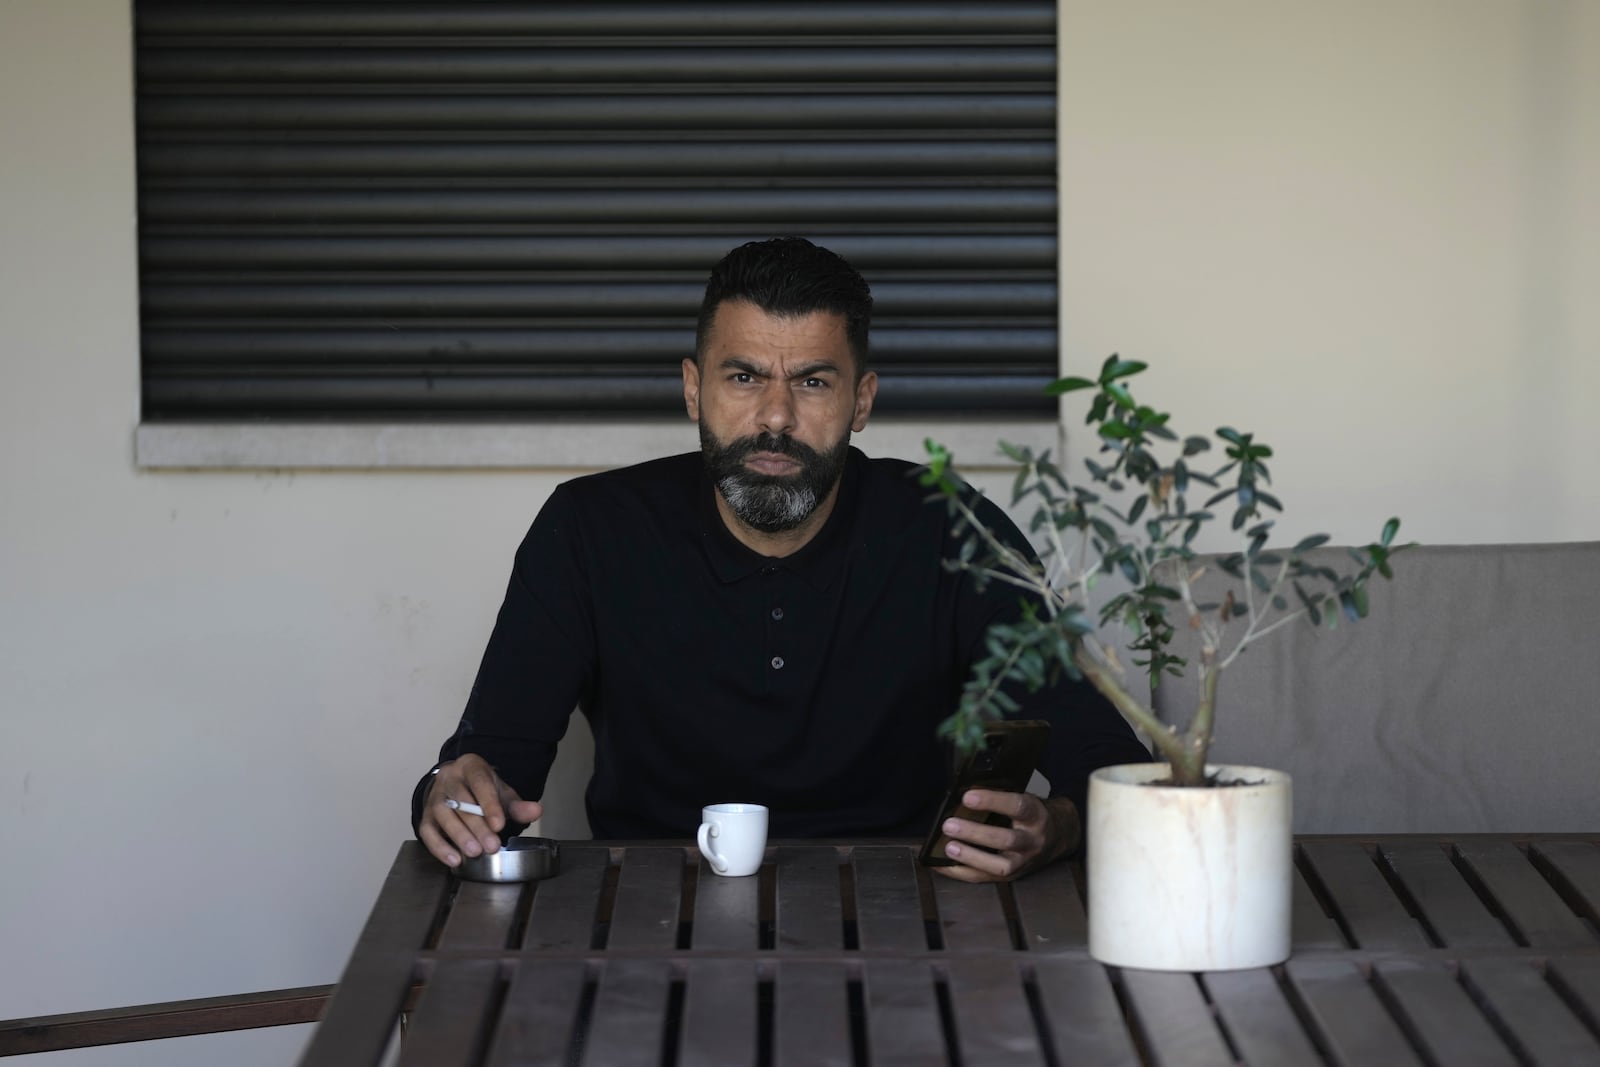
(538, 664)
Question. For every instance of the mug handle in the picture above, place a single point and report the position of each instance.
(708, 830)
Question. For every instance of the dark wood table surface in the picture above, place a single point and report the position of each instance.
(1408, 950)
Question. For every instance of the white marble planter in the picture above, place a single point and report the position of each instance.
(1189, 879)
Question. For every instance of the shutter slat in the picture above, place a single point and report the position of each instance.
(965, 257)
(494, 62)
(591, 18)
(164, 116)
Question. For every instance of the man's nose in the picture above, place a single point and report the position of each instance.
(777, 408)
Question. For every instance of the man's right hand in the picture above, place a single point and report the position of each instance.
(449, 833)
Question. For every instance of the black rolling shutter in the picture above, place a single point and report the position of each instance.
(426, 210)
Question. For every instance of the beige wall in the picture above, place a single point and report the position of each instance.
(216, 689)
(1368, 230)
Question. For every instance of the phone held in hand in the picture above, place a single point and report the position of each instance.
(1003, 761)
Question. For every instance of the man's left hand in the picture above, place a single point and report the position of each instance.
(1040, 831)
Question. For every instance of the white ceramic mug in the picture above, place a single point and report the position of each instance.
(733, 837)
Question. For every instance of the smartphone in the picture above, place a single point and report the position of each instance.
(1004, 760)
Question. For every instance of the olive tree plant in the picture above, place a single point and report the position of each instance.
(1132, 515)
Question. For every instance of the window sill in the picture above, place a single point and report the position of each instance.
(549, 445)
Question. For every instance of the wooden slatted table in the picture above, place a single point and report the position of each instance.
(1408, 950)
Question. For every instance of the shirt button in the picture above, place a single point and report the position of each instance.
(777, 663)
(777, 613)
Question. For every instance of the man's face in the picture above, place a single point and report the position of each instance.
(776, 401)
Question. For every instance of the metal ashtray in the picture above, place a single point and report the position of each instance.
(521, 859)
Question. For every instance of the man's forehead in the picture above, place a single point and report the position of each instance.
(741, 330)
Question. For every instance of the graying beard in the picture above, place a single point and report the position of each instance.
(768, 508)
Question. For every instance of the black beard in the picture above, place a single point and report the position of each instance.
(772, 503)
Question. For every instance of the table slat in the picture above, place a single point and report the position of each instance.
(1050, 910)
(903, 1024)
(566, 906)
(972, 917)
(1447, 902)
(361, 1015)
(993, 1022)
(649, 893)
(1374, 915)
(1530, 904)
(1082, 1014)
(727, 912)
(629, 1022)
(1579, 979)
(1260, 1020)
(1538, 1020)
(1577, 866)
(1310, 926)
(719, 1011)
(1177, 1024)
(450, 1025)
(481, 915)
(888, 900)
(539, 1016)
(1441, 1015)
(811, 1015)
(808, 914)
(1356, 1028)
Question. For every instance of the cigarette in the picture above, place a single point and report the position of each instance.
(461, 805)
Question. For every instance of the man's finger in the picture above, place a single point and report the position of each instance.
(1016, 805)
(524, 811)
(484, 786)
(468, 832)
(996, 865)
(436, 844)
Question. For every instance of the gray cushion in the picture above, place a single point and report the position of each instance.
(1467, 700)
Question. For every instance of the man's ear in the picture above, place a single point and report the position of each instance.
(866, 393)
(691, 389)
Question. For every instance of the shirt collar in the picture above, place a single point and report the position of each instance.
(818, 562)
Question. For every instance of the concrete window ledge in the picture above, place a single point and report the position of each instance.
(549, 445)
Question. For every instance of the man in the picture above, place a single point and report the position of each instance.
(766, 622)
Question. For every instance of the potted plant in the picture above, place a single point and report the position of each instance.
(1190, 864)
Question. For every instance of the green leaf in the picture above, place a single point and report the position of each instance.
(1137, 509)
(1348, 603)
(1230, 435)
(1115, 368)
(1119, 393)
(1195, 445)
(1311, 608)
(1308, 543)
(1280, 604)
(1268, 499)
(1390, 528)
(1015, 454)
(1115, 431)
(1067, 385)
(1358, 594)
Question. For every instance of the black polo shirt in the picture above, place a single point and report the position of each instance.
(812, 683)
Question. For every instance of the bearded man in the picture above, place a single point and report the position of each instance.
(767, 621)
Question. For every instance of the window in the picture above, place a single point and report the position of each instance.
(362, 210)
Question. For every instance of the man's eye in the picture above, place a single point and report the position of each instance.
(814, 383)
(743, 378)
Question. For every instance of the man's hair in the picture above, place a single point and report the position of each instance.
(789, 277)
